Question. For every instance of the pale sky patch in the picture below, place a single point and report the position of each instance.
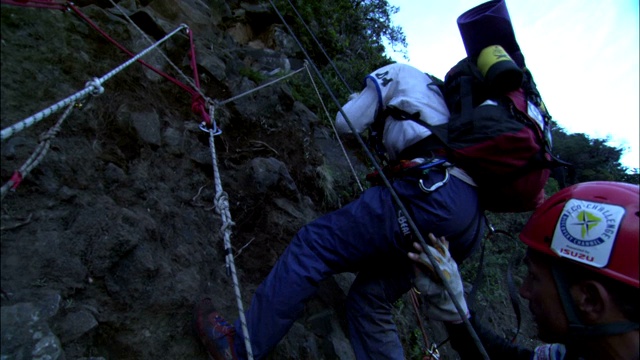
(583, 56)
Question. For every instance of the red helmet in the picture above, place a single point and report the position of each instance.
(595, 224)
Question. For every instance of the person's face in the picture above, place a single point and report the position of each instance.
(539, 288)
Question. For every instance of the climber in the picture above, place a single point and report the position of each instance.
(369, 235)
(582, 280)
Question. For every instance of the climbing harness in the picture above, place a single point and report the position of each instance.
(435, 186)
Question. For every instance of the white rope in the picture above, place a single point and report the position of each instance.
(188, 79)
(38, 154)
(258, 88)
(173, 65)
(222, 207)
(335, 131)
(93, 87)
(221, 198)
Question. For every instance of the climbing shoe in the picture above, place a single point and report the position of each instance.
(215, 333)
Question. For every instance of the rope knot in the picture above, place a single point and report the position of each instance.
(198, 106)
(95, 85)
(47, 136)
(222, 201)
(227, 226)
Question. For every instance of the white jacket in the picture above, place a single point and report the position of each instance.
(401, 86)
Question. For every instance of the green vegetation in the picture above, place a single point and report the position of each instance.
(253, 75)
(593, 159)
(352, 33)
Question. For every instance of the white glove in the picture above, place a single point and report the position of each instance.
(441, 306)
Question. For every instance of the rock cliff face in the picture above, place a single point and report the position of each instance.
(110, 240)
(108, 243)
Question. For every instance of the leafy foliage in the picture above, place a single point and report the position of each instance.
(592, 158)
(352, 35)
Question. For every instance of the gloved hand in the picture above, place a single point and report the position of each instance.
(441, 306)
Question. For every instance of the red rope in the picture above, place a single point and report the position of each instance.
(198, 104)
(16, 178)
(192, 57)
(199, 107)
(425, 338)
(123, 49)
(42, 4)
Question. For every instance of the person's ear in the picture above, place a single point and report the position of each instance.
(592, 300)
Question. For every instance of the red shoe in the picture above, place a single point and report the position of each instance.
(214, 332)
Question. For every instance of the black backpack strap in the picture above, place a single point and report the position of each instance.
(377, 127)
(466, 97)
(376, 131)
(459, 86)
(422, 148)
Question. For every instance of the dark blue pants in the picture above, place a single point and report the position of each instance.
(363, 237)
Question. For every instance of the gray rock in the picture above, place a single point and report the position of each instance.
(269, 173)
(344, 281)
(66, 194)
(307, 117)
(47, 348)
(241, 33)
(147, 125)
(320, 323)
(267, 61)
(219, 10)
(173, 139)
(25, 333)
(128, 6)
(153, 58)
(114, 174)
(283, 41)
(75, 324)
(201, 156)
(256, 9)
(13, 144)
(300, 342)
(167, 13)
(212, 63)
(49, 305)
(338, 341)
